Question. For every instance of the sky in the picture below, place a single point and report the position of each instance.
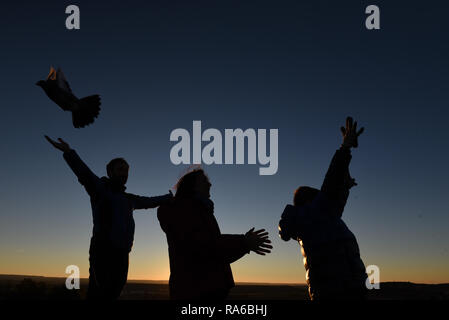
(297, 66)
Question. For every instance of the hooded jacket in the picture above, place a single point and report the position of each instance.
(112, 207)
(200, 256)
(330, 251)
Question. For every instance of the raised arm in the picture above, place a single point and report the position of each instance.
(338, 181)
(85, 176)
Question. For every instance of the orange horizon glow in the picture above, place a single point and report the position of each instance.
(237, 281)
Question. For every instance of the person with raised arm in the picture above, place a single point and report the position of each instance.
(334, 269)
(113, 222)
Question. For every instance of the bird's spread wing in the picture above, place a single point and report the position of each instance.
(52, 74)
(62, 82)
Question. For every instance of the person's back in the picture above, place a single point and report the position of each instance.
(113, 222)
(334, 269)
(331, 257)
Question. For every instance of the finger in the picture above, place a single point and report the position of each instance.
(349, 123)
(361, 131)
(251, 230)
(62, 141)
(263, 250)
(259, 231)
(343, 131)
(53, 143)
(260, 235)
(48, 139)
(264, 245)
(261, 253)
(354, 128)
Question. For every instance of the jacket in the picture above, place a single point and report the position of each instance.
(112, 207)
(200, 256)
(330, 251)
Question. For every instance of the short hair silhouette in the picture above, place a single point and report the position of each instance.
(185, 187)
(114, 162)
(304, 195)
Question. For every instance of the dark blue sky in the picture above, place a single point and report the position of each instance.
(297, 66)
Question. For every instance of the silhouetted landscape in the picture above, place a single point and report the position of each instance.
(20, 287)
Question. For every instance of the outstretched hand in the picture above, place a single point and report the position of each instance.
(258, 241)
(350, 134)
(61, 145)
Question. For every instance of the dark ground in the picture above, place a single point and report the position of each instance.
(42, 288)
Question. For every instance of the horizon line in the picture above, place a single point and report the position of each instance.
(237, 282)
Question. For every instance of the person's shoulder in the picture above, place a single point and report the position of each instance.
(289, 209)
(165, 214)
(185, 202)
(164, 208)
(176, 210)
(171, 207)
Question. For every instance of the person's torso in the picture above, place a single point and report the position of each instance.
(113, 218)
(192, 268)
(331, 255)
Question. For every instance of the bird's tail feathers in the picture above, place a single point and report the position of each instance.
(88, 109)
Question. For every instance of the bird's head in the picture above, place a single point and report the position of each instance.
(41, 83)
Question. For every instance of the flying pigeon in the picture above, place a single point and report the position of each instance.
(84, 111)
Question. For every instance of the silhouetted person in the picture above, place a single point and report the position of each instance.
(112, 212)
(200, 256)
(334, 269)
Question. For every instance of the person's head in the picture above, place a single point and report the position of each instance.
(194, 183)
(304, 195)
(117, 170)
